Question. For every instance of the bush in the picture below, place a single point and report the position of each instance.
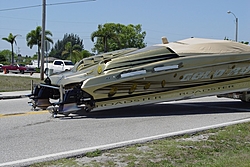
(37, 70)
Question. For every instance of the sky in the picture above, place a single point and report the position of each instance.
(174, 19)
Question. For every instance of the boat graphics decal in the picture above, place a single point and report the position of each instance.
(215, 74)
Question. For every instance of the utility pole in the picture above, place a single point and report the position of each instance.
(43, 40)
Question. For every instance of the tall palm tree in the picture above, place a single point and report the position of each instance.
(34, 37)
(105, 32)
(11, 39)
(73, 52)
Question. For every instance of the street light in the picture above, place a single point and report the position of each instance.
(236, 20)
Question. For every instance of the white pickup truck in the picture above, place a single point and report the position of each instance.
(58, 66)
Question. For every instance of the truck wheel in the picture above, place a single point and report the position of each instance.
(21, 71)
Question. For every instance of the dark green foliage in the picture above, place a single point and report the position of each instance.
(244, 42)
(6, 56)
(11, 39)
(59, 47)
(111, 37)
(2, 58)
(34, 37)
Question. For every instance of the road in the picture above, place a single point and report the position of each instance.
(35, 136)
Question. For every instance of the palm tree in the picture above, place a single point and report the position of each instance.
(105, 32)
(11, 39)
(84, 54)
(73, 52)
(34, 37)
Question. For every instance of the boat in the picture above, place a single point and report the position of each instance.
(184, 69)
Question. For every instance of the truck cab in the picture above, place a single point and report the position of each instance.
(59, 66)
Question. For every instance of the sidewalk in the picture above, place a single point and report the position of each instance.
(14, 95)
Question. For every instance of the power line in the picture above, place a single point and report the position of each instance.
(64, 3)
(24, 7)
(53, 4)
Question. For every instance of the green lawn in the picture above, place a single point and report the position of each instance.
(15, 83)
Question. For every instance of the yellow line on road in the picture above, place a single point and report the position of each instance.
(24, 113)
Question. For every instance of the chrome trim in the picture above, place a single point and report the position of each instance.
(134, 73)
(61, 93)
(49, 86)
(157, 69)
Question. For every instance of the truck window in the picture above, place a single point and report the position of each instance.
(57, 63)
(68, 63)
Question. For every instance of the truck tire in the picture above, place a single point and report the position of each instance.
(22, 71)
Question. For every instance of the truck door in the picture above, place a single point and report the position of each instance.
(58, 66)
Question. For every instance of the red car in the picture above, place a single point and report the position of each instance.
(17, 68)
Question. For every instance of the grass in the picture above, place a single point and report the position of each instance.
(15, 83)
(93, 154)
(223, 147)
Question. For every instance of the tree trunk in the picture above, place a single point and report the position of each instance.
(12, 56)
(105, 44)
(38, 57)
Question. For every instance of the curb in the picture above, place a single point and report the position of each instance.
(12, 97)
